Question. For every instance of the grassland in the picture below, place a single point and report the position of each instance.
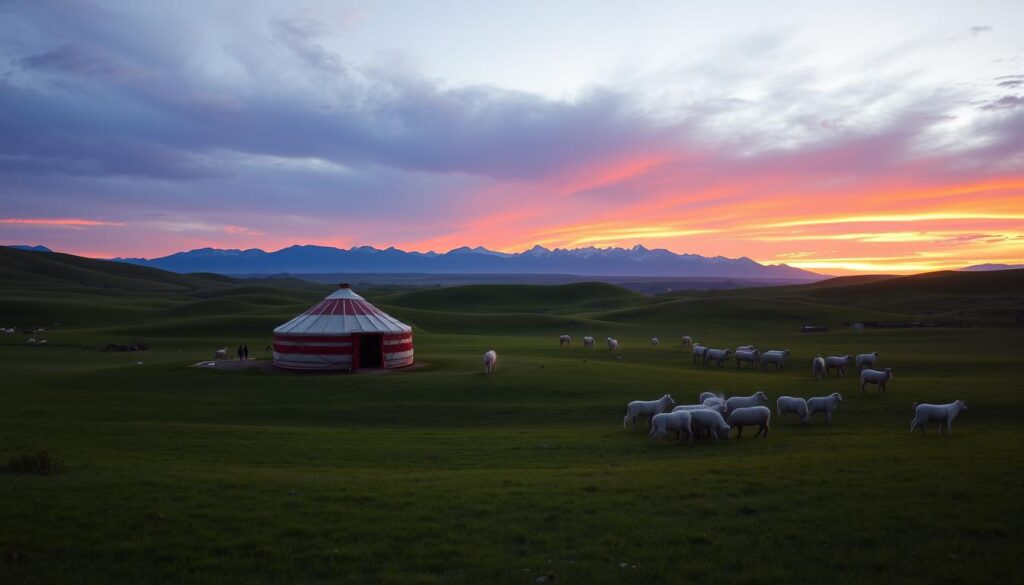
(442, 475)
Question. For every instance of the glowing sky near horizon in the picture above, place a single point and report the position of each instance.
(850, 137)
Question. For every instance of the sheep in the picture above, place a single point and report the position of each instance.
(876, 377)
(678, 421)
(710, 420)
(792, 404)
(751, 415)
(31, 340)
(866, 360)
(818, 368)
(564, 339)
(827, 404)
(687, 340)
(709, 404)
(717, 355)
(698, 352)
(647, 408)
(776, 357)
(490, 361)
(42, 341)
(839, 362)
(746, 348)
(655, 341)
(750, 356)
(754, 399)
(613, 344)
(221, 354)
(588, 342)
(940, 413)
(705, 395)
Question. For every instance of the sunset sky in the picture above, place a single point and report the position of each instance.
(868, 136)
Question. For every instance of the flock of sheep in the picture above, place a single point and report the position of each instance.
(715, 415)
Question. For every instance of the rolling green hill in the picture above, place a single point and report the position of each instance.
(440, 474)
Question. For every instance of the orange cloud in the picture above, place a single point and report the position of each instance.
(59, 222)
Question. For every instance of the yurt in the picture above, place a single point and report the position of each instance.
(343, 332)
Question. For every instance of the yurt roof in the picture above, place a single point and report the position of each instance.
(342, 312)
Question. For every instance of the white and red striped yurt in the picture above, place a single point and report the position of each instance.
(343, 332)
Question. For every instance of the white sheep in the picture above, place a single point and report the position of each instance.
(655, 341)
(751, 415)
(662, 423)
(940, 413)
(706, 395)
(866, 360)
(687, 340)
(776, 357)
(490, 361)
(718, 356)
(876, 377)
(839, 362)
(818, 368)
(754, 399)
(647, 408)
(711, 404)
(613, 344)
(794, 404)
(221, 354)
(746, 348)
(31, 340)
(698, 352)
(564, 339)
(827, 404)
(749, 356)
(588, 342)
(42, 341)
(710, 421)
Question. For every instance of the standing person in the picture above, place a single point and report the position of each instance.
(239, 353)
(245, 351)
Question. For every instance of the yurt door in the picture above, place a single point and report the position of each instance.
(371, 351)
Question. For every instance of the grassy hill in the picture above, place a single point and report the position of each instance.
(440, 474)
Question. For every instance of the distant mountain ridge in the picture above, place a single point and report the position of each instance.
(590, 261)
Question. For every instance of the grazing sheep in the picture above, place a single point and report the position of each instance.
(490, 361)
(839, 362)
(751, 415)
(706, 395)
(776, 357)
(866, 360)
(588, 342)
(613, 344)
(827, 404)
(710, 421)
(647, 408)
(745, 348)
(678, 421)
(754, 399)
(818, 368)
(709, 404)
(718, 356)
(876, 377)
(785, 404)
(655, 341)
(32, 340)
(563, 339)
(687, 340)
(750, 356)
(940, 413)
(42, 341)
(221, 354)
(698, 352)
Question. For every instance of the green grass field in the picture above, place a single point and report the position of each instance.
(441, 474)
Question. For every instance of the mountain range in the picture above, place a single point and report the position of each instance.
(635, 261)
